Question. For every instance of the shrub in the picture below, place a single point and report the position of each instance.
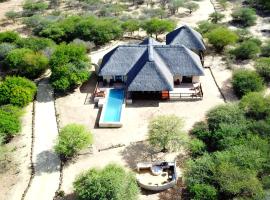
(244, 16)
(12, 15)
(116, 184)
(203, 192)
(17, 91)
(165, 132)
(201, 131)
(69, 66)
(246, 50)
(216, 17)
(262, 66)
(27, 62)
(34, 43)
(30, 7)
(100, 31)
(245, 81)
(191, 6)
(196, 147)
(158, 26)
(9, 36)
(206, 26)
(72, 139)
(266, 49)
(5, 48)
(224, 114)
(221, 37)
(10, 123)
(255, 105)
(131, 26)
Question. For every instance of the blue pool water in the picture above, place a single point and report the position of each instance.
(114, 106)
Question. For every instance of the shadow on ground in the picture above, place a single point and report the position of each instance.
(139, 152)
(47, 162)
(178, 192)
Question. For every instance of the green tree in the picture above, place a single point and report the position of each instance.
(203, 192)
(158, 26)
(191, 6)
(165, 132)
(72, 139)
(262, 66)
(221, 37)
(245, 81)
(116, 184)
(34, 43)
(69, 65)
(196, 147)
(246, 50)
(174, 5)
(216, 17)
(255, 105)
(17, 91)
(27, 62)
(131, 26)
(244, 17)
(205, 27)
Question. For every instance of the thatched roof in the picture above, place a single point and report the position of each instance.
(151, 67)
(186, 36)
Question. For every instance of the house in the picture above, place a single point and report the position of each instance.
(153, 69)
(188, 37)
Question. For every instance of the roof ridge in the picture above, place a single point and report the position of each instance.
(189, 52)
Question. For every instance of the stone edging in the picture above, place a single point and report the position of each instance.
(31, 153)
(219, 89)
(61, 162)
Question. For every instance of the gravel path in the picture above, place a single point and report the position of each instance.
(46, 162)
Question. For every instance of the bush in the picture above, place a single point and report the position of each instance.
(30, 7)
(131, 26)
(27, 62)
(72, 139)
(34, 43)
(9, 36)
(246, 50)
(5, 48)
(224, 114)
(116, 184)
(158, 26)
(266, 49)
(216, 17)
(203, 192)
(100, 31)
(201, 131)
(10, 123)
(12, 15)
(245, 81)
(17, 91)
(262, 66)
(244, 16)
(221, 37)
(206, 26)
(196, 147)
(69, 66)
(255, 105)
(165, 132)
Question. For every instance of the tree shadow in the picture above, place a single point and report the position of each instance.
(47, 162)
(178, 192)
(140, 152)
(62, 196)
(228, 92)
(143, 103)
(45, 92)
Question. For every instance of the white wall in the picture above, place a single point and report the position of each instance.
(195, 79)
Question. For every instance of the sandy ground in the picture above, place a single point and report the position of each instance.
(11, 5)
(75, 108)
(14, 181)
(46, 162)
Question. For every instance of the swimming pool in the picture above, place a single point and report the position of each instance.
(112, 110)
